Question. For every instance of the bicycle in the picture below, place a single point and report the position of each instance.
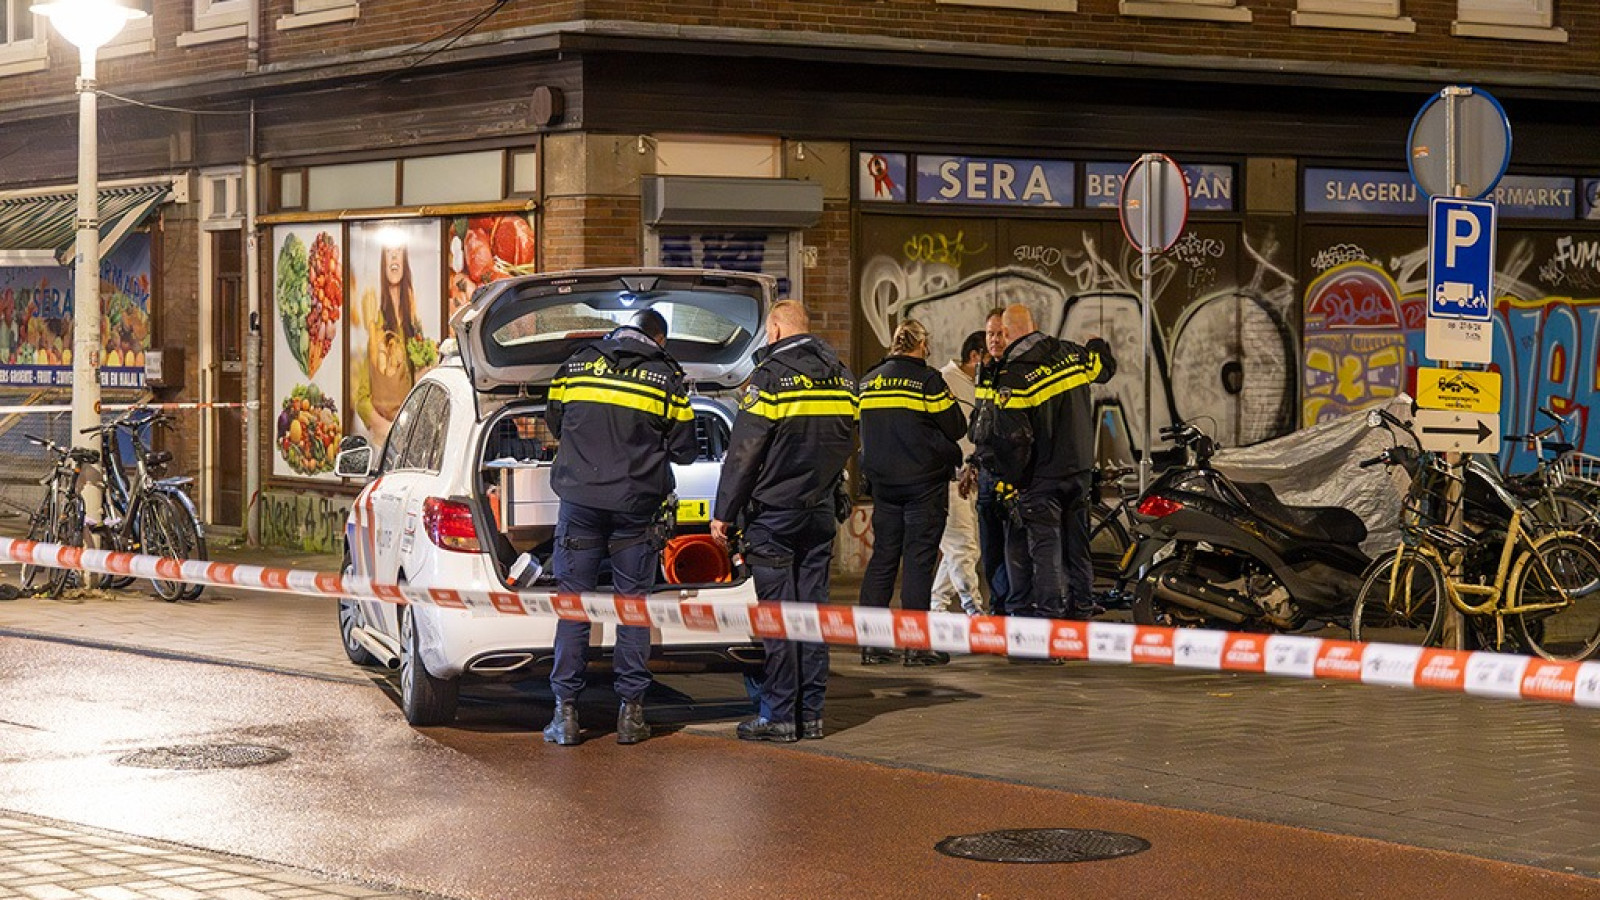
(60, 517)
(144, 512)
(1109, 536)
(1536, 582)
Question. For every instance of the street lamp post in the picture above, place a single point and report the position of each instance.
(89, 25)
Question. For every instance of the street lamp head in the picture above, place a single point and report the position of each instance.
(88, 24)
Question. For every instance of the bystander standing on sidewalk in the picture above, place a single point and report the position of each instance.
(957, 575)
(909, 428)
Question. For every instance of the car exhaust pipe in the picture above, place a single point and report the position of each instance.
(379, 650)
(1202, 597)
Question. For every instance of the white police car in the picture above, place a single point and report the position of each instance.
(461, 488)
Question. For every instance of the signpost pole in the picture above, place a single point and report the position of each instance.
(1145, 466)
(1454, 631)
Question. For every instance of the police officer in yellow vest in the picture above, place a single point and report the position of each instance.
(909, 428)
(621, 412)
(794, 432)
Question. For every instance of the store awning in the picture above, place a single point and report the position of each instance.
(41, 229)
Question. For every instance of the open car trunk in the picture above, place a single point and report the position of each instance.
(514, 486)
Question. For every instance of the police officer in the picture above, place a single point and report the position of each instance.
(1044, 444)
(794, 432)
(621, 412)
(995, 497)
(910, 426)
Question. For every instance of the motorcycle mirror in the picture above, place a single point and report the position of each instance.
(1374, 419)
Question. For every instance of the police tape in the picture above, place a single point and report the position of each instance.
(1476, 672)
(111, 407)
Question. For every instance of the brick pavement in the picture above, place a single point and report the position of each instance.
(45, 860)
(1499, 779)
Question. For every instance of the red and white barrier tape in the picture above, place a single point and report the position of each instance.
(1473, 672)
(111, 407)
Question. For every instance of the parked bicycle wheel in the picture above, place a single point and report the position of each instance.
(1401, 601)
(58, 521)
(186, 529)
(40, 528)
(158, 536)
(1555, 573)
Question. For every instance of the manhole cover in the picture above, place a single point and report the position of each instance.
(1042, 845)
(204, 756)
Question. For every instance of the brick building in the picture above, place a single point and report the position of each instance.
(968, 152)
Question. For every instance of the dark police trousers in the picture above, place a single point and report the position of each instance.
(584, 538)
(789, 553)
(907, 523)
(994, 531)
(1055, 551)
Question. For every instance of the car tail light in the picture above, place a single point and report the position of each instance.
(1155, 507)
(449, 525)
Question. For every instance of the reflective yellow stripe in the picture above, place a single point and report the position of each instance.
(905, 400)
(804, 403)
(612, 397)
(622, 383)
(1050, 388)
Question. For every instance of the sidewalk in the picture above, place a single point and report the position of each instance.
(44, 860)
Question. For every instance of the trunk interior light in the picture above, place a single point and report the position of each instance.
(1155, 507)
(449, 525)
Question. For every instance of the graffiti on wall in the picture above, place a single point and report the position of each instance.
(300, 521)
(1365, 316)
(1224, 331)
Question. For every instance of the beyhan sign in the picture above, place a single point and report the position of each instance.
(994, 181)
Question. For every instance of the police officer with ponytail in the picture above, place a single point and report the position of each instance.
(794, 432)
(621, 411)
(910, 426)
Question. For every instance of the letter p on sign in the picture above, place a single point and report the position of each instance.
(1462, 230)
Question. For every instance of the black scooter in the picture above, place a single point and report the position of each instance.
(1216, 553)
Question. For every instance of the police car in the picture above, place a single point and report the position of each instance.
(458, 497)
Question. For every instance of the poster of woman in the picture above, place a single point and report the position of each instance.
(395, 280)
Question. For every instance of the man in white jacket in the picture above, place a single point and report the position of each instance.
(957, 576)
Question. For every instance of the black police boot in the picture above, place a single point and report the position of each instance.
(631, 727)
(926, 658)
(811, 729)
(760, 729)
(874, 656)
(563, 727)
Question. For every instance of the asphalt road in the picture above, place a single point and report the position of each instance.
(486, 810)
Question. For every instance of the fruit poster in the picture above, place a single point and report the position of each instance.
(36, 320)
(485, 249)
(395, 323)
(307, 358)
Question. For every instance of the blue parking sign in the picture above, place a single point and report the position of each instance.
(1461, 259)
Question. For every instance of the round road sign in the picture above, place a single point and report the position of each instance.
(1154, 203)
(1482, 136)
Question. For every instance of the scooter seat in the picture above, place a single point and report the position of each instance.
(1334, 524)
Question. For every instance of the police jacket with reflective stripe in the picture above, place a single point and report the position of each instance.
(910, 424)
(622, 415)
(794, 432)
(1043, 425)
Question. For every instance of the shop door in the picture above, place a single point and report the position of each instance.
(227, 293)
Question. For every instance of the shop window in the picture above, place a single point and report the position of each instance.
(1209, 10)
(319, 12)
(1532, 20)
(352, 186)
(216, 20)
(23, 47)
(221, 197)
(1357, 15)
(458, 178)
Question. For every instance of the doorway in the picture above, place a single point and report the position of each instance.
(228, 335)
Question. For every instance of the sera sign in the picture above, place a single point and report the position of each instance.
(994, 181)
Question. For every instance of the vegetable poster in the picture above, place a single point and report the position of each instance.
(395, 325)
(307, 370)
(36, 320)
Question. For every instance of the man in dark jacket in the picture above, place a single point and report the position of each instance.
(794, 432)
(909, 428)
(620, 410)
(1043, 442)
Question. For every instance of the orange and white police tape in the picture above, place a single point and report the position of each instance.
(109, 407)
(1473, 672)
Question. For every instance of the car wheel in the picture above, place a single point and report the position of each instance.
(349, 620)
(425, 699)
